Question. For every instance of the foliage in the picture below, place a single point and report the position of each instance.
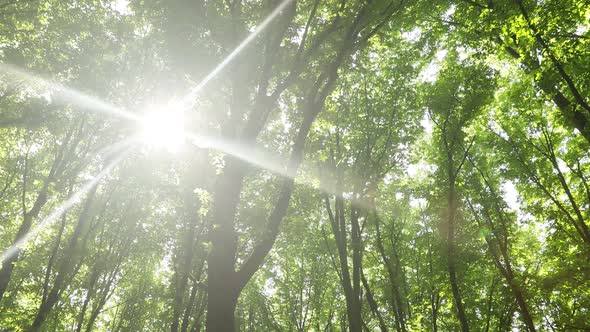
(355, 166)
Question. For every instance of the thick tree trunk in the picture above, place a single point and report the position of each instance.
(224, 283)
(221, 305)
(223, 288)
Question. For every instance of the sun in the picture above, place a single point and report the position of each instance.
(163, 128)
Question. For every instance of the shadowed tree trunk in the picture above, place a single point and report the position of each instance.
(224, 282)
(349, 282)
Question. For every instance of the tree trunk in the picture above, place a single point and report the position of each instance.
(451, 252)
(58, 165)
(499, 250)
(396, 300)
(8, 263)
(183, 268)
(103, 298)
(574, 111)
(189, 307)
(222, 285)
(221, 304)
(89, 294)
(373, 304)
(338, 222)
(64, 271)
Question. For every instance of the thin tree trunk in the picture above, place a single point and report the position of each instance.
(501, 244)
(184, 267)
(396, 300)
(189, 306)
(89, 295)
(451, 252)
(490, 305)
(52, 258)
(373, 304)
(434, 296)
(338, 222)
(66, 264)
(8, 263)
(56, 170)
(104, 297)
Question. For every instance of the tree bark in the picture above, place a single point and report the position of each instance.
(338, 222)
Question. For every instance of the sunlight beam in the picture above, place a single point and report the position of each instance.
(63, 208)
(246, 153)
(109, 151)
(189, 100)
(272, 163)
(65, 94)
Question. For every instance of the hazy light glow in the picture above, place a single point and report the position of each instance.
(163, 128)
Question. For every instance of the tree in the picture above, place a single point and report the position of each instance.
(296, 165)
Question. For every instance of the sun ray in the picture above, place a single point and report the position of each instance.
(62, 208)
(111, 150)
(247, 153)
(68, 95)
(188, 101)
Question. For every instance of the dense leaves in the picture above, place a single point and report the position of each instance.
(298, 165)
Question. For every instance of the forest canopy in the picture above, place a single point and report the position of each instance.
(294, 165)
